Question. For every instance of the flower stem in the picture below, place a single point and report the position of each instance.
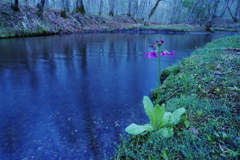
(159, 78)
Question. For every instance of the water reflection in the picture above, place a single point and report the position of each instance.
(69, 97)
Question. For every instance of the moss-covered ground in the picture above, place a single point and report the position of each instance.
(207, 84)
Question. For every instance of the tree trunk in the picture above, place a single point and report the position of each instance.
(100, 8)
(129, 8)
(146, 16)
(15, 5)
(40, 7)
(111, 7)
(153, 9)
(80, 7)
(132, 8)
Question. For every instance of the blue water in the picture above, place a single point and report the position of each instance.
(70, 97)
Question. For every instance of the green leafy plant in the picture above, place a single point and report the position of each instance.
(214, 134)
(160, 121)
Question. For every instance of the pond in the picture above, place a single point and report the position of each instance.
(71, 96)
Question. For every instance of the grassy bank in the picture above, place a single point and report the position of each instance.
(207, 85)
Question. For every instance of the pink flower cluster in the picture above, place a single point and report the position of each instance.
(153, 54)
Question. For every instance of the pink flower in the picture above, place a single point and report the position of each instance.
(164, 53)
(171, 54)
(152, 54)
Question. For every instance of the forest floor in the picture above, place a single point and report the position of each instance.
(26, 23)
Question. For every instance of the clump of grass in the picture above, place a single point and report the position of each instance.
(207, 85)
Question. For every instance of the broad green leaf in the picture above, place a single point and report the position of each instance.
(166, 116)
(176, 116)
(148, 107)
(163, 123)
(138, 129)
(158, 113)
(166, 132)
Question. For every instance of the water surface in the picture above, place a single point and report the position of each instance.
(70, 97)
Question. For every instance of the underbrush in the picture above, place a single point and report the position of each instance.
(207, 85)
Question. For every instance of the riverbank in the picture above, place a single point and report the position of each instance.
(207, 85)
(27, 23)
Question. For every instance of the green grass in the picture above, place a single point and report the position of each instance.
(207, 84)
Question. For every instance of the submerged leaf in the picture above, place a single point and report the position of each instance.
(148, 107)
(176, 116)
(138, 129)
